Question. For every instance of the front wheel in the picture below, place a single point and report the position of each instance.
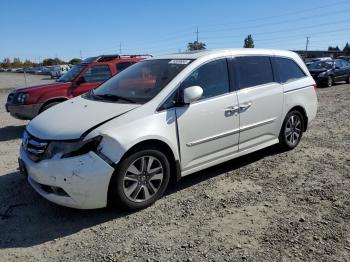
(330, 81)
(140, 179)
(292, 130)
(48, 106)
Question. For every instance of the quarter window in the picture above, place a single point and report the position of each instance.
(254, 71)
(288, 69)
(123, 65)
(97, 73)
(211, 77)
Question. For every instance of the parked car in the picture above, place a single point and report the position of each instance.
(58, 71)
(327, 73)
(165, 118)
(26, 103)
(346, 58)
(310, 61)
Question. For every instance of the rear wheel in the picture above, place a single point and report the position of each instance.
(292, 130)
(140, 179)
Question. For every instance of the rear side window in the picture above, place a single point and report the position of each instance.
(97, 73)
(211, 77)
(123, 65)
(254, 71)
(288, 69)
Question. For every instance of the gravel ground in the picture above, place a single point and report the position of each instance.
(17, 80)
(267, 206)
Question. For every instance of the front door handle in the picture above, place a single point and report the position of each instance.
(245, 106)
(231, 109)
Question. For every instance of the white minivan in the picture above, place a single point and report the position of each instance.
(164, 118)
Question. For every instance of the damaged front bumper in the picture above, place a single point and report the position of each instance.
(78, 182)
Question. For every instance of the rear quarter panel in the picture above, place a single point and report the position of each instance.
(301, 93)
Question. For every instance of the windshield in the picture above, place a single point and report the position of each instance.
(72, 73)
(321, 65)
(141, 82)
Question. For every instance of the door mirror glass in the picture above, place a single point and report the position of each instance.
(192, 94)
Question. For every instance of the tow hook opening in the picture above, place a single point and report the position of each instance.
(53, 190)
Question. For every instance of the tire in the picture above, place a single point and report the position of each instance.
(48, 106)
(132, 186)
(292, 130)
(348, 79)
(330, 81)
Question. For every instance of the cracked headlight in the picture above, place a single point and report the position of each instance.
(72, 148)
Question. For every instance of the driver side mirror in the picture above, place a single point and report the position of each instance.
(191, 94)
(81, 80)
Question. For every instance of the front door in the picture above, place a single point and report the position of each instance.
(92, 78)
(208, 128)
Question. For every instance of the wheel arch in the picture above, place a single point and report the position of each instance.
(175, 169)
(303, 113)
(52, 100)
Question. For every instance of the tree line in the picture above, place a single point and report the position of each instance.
(196, 45)
(17, 63)
(346, 48)
(192, 46)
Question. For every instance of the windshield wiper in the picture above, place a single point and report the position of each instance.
(113, 97)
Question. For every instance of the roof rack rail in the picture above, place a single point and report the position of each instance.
(105, 58)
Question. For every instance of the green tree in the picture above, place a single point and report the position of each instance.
(27, 63)
(17, 63)
(248, 42)
(48, 62)
(346, 49)
(196, 46)
(6, 63)
(58, 61)
(52, 61)
(74, 61)
(332, 48)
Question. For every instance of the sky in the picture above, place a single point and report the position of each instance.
(83, 28)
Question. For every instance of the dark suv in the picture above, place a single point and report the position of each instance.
(26, 103)
(330, 71)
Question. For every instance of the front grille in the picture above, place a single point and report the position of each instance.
(34, 147)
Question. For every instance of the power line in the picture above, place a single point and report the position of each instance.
(179, 36)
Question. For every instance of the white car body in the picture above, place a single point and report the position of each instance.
(203, 134)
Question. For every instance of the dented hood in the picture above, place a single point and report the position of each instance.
(75, 118)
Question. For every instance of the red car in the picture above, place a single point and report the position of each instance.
(26, 103)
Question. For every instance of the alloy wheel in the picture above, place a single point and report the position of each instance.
(293, 130)
(143, 178)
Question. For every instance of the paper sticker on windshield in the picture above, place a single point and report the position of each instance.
(179, 62)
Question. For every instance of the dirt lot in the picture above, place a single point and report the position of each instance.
(267, 206)
(16, 80)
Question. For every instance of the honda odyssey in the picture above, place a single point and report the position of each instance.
(165, 118)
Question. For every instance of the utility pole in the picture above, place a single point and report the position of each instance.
(307, 45)
(120, 47)
(81, 54)
(197, 33)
